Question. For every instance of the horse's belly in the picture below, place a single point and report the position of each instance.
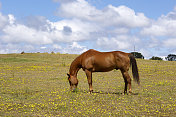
(102, 68)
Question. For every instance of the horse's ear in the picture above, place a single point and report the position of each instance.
(68, 75)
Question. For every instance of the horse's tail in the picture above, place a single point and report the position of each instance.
(134, 68)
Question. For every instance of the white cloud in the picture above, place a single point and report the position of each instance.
(22, 34)
(79, 30)
(115, 43)
(56, 46)
(80, 9)
(48, 33)
(11, 19)
(44, 32)
(18, 48)
(161, 27)
(10, 48)
(3, 21)
(38, 23)
(74, 48)
(170, 43)
(109, 16)
(164, 26)
(161, 32)
(43, 47)
(126, 17)
(145, 52)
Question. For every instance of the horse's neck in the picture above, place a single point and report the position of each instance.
(74, 68)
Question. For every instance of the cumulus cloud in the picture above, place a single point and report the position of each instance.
(109, 16)
(126, 17)
(38, 23)
(21, 34)
(16, 48)
(67, 30)
(145, 52)
(11, 19)
(163, 30)
(164, 26)
(115, 43)
(74, 48)
(170, 43)
(38, 32)
(73, 30)
(3, 21)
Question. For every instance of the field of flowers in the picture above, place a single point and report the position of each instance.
(36, 85)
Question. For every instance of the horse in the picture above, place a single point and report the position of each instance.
(95, 61)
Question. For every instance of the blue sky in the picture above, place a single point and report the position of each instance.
(20, 8)
(74, 26)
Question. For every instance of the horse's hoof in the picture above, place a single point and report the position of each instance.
(123, 93)
(75, 90)
(130, 93)
(91, 91)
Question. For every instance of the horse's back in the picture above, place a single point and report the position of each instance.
(90, 53)
(121, 55)
(103, 61)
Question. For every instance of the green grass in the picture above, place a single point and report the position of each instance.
(36, 85)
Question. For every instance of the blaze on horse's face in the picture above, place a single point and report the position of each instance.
(73, 81)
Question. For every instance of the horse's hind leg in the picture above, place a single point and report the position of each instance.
(89, 78)
(127, 81)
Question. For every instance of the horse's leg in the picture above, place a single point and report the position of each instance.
(127, 81)
(89, 78)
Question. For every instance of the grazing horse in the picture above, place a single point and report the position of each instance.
(95, 61)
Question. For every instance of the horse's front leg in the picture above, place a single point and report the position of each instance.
(89, 78)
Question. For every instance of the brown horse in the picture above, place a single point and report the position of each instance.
(95, 61)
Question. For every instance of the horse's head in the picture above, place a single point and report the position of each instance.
(73, 81)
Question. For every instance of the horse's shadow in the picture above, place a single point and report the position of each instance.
(103, 92)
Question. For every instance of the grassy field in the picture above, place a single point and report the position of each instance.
(36, 85)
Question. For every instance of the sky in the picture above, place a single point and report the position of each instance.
(74, 26)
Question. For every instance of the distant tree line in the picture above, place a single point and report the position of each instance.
(137, 55)
(156, 58)
(170, 57)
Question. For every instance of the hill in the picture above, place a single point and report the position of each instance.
(35, 84)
